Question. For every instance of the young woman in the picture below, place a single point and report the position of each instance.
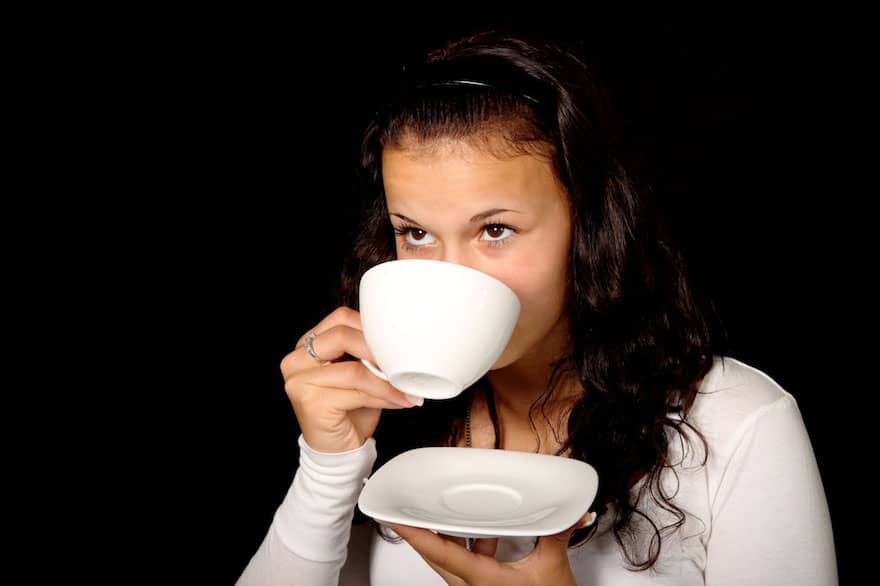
(499, 153)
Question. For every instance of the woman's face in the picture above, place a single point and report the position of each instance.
(507, 217)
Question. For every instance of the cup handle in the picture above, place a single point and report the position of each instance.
(418, 401)
(374, 369)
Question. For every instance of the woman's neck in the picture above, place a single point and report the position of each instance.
(516, 388)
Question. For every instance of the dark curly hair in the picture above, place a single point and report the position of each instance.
(641, 342)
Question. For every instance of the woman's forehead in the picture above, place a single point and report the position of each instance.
(479, 145)
(466, 171)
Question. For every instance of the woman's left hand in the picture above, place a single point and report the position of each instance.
(546, 564)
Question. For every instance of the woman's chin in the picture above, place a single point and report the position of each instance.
(506, 359)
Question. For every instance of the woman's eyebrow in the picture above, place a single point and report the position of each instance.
(476, 218)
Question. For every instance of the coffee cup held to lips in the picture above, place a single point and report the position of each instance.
(434, 327)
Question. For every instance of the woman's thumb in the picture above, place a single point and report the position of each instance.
(560, 540)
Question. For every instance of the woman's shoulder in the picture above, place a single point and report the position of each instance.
(732, 380)
(731, 395)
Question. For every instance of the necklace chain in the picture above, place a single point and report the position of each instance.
(467, 426)
(468, 542)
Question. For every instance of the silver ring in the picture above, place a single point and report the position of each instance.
(311, 349)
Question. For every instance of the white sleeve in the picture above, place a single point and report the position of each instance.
(308, 539)
(770, 517)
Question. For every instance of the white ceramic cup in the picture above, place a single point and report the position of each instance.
(434, 327)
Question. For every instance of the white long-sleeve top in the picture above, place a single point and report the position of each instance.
(756, 512)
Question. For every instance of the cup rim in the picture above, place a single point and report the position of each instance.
(446, 265)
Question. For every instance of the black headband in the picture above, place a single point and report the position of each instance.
(477, 71)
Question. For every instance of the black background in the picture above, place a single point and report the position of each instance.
(235, 212)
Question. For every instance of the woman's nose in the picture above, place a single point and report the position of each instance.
(458, 256)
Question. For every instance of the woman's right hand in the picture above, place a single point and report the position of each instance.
(337, 402)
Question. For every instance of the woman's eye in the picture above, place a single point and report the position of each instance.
(497, 232)
(418, 237)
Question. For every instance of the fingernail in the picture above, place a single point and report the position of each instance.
(416, 401)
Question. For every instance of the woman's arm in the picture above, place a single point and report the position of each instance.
(308, 539)
(770, 516)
